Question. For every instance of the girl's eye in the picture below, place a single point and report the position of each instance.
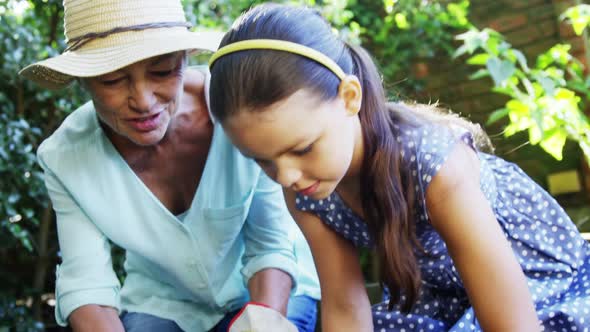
(304, 151)
(261, 162)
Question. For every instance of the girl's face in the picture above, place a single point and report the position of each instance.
(303, 143)
(137, 102)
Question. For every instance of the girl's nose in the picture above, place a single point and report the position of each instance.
(288, 176)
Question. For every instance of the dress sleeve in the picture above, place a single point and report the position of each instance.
(85, 275)
(266, 232)
(427, 151)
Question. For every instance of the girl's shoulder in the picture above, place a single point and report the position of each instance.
(430, 141)
(425, 148)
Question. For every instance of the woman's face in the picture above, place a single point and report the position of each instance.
(137, 102)
(303, 143)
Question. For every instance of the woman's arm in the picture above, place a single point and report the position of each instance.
(494, 280)
(345, 305)
(85, 277)
(270, 268)
(92, 317)
(271, 287)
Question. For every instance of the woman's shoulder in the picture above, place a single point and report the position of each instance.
(195, 101)
(76, 128)
(76, 137)
(194, 79)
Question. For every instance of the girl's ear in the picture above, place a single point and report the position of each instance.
(351, 92)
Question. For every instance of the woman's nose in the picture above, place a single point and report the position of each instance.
(141, 97)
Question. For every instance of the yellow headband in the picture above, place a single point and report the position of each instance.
(279, 45)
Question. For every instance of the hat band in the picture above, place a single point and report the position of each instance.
(77, 42)
(279, 45)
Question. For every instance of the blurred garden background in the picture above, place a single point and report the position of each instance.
(517, 67)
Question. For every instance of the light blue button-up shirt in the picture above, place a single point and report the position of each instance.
(191, 271)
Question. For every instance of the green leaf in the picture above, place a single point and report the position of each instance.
(473, 39)
(578, 16)
(500, 70)
(479, 74)
(547, 84)
(459, 12)
(554, 144)
(26, 242)
(566, 94)
(13, 198)
(507, 90)
(479, 59)
(517, 107)
(521, 59)
(535, 135)
(497, 115)
(401, 21)
(461, 50)
(511, 129)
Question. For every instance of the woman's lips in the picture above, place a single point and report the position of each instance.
(311, 189)
(147, 123)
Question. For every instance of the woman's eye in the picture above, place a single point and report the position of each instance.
(304, 151)
(112, 82)
(162, 73)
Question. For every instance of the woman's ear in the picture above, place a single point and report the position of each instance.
(351, 92)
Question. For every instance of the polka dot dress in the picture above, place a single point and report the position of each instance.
(550, 250)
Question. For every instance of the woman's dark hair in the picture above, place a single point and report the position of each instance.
(256, 79)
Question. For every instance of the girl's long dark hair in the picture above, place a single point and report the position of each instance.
(256, 79)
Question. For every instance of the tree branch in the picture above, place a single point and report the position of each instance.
(42, 261)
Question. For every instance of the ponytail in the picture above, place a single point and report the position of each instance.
(387, 194)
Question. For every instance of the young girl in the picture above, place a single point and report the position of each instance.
(466, 241)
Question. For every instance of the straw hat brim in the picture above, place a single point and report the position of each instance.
(57, 72)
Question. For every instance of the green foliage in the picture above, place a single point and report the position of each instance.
(16, 317)
(401, 32)
(396, 32)
(220, 14)
(29, 32)
(545, 98)
(578, 16)
(27, 115)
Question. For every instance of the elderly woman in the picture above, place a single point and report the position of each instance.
(143, 166)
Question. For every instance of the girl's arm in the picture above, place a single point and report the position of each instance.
(494, 280)
(345, 305)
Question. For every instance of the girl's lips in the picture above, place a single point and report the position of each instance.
(311, 189)
(146, 124)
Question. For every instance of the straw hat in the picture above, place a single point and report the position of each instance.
(106, 35)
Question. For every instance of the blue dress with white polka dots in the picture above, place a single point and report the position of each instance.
(549, 248)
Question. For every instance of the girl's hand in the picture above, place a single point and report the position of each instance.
(345, 305)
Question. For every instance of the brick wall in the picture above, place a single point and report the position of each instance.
(531, 26)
